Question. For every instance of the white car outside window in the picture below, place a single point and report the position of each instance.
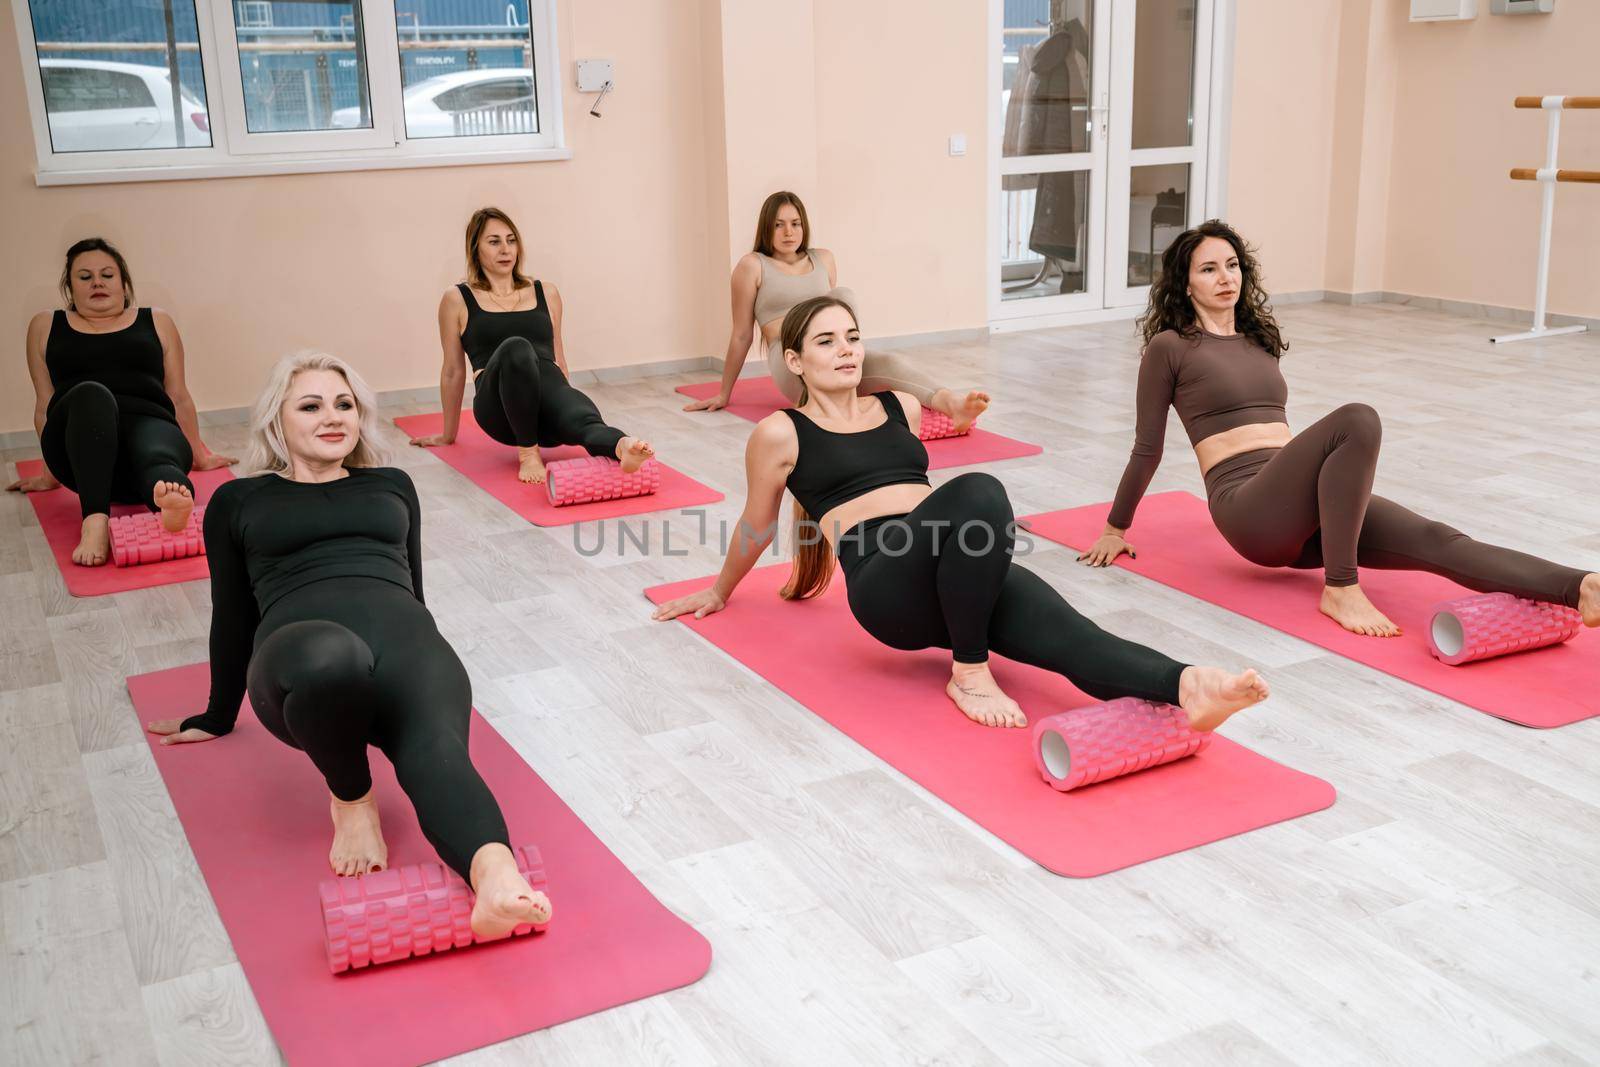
(464, 103)
(99, 106)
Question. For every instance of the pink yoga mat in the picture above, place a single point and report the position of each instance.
(1178, 546)
(756, 398)
(492, 466)
(62, 523)
(256, 814)
(894, 704)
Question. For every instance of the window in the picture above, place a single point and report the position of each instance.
(138, 89)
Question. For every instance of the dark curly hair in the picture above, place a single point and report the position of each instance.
(1171, 309)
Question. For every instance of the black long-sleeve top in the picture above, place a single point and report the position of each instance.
(267, 536)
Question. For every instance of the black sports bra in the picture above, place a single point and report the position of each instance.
(834, 468)
(487, 329)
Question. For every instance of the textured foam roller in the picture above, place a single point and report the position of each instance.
(1108, 740)
(406, 911)
(936, 425)
(1495, 624)
(141, 538)
(592, 478)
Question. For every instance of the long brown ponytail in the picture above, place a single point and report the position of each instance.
(813, 556)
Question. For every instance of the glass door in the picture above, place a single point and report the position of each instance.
(1052, 159)
(1102, 115)
(1160, 89)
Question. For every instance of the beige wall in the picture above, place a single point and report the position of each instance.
(1285, 68)
(1367, 153)
(1370, 153)
(1458, 227)
(355, 262)
(907, 220)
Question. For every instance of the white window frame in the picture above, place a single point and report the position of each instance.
(234, 151)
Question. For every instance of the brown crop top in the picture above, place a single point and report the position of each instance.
(1216, 383)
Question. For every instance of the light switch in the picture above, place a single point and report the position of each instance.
(958, 144)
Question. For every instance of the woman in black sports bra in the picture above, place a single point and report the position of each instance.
(508, 327)
(925, 567)
(114, 417)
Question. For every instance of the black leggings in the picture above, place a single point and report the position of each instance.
(942, 577)
(1309, 504)
(109, 456)
(346, 662)
(523, 399)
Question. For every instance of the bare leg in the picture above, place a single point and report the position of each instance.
(1210, 694)
(974, 690)
(94, 543)
(530, 465)
(358, 846)
(632, 452)
(175, 502)
(505, 900)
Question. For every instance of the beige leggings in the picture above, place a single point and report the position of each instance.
(879, 371)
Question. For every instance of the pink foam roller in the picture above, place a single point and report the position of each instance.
(937, 425)
(141, 538)
(1108, 740)
(592, 478)
(406, 911)
(1495, 624)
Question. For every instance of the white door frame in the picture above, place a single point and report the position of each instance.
(1212, 111)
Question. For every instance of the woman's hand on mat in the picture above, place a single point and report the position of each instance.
(706, 602)
(432, 440)
(211, 461)
(172, 735)
(1106, 549)
(39, 483)
(710, 403)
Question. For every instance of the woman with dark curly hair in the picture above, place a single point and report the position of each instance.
(1280, 499)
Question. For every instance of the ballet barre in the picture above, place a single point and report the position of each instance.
(1548, 176)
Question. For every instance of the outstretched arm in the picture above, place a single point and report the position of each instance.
(177, 386)
(453, 373)
(43, 390)
(1157, 384)
(768, 459)
(746, 280)
(553, 296)
(234, 618)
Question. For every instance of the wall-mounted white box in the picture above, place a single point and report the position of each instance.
(1443, 10)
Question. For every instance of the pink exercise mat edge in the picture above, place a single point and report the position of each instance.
(1226, 791)
(627, 944)
(756, 398)
(1180, 548)
(492, 467)
(61, 522)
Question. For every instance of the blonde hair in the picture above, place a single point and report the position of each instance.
(269, 452)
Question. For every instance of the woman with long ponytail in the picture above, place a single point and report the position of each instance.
(924, 567)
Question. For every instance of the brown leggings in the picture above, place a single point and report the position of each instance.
(1310, 504)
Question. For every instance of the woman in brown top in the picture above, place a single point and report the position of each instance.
(1285, 500)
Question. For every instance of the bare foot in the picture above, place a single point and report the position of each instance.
(530, 467)
(962, 409)
(357, 841)
(94, 543)
(175, 502)
(632, 452)
(978, 695)
(504, 899)
(1348, 606)
(1589, 600)
(1211, 694)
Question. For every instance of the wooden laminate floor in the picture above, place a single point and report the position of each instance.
(1446, 910)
